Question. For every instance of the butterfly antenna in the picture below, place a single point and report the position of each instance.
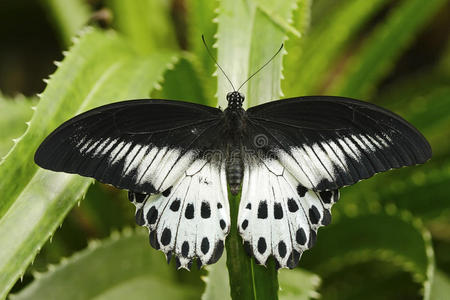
(282, 45)
(212, 57)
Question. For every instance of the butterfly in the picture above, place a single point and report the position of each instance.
(288, 157)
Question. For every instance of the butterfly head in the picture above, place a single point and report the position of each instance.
(235, 99)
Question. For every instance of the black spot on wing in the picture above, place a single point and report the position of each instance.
(301, 190)
(152, 215)
(167, 192)
(244, 224)
(300, 236)
(282, 249)
(189, 213)
(175, 205)
(185, 249)
(204, 245)
(326, 196)
(292, 205)
(222, 224)
(136, 197)
(262, 246)
(314, 215)
(262, 210)
(166, 237)
(205, 210)
(277, 211)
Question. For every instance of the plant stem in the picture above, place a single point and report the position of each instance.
(247, 280)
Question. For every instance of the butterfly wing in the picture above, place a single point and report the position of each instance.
(160, 151)
(330, 142)
(139, 145)
(277, 217)
(191, 220)
(299, 152)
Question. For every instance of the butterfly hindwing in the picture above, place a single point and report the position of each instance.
(278, 216)
(140, 145)
(191, 219)
(329, 142)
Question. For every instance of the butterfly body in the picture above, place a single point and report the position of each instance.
(288, 157)
(234, 133)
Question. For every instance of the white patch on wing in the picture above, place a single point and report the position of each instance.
(85, 145)
(146, 161)
(176, 171)
(150, 169)
(160, 167)
(354, 151)
(80, 142)
(325, 161)
(192, 219)
(106, 142)
(279, 217)
(130, 160)
(113, 155)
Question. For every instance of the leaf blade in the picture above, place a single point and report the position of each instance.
(82, 82)
(388, 41)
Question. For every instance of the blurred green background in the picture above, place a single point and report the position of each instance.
(390, 236)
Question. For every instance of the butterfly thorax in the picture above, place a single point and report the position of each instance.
(234, 123)
(235, 100)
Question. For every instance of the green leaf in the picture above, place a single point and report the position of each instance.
(69, 16)
(244, 31)
(34, 201)
(430, 113)
(182, 82)
(407, 189)
(294, 284)
(376, 58)
(200, 19)
(298, 284)
(116, 268)
(217, 282)
(324, 43)
(296, 45)
(371, 280)
(389, 235)
(147, 23)
(440, 289)
(14, 113)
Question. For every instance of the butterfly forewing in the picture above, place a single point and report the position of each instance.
(331, 142)
(140, 145)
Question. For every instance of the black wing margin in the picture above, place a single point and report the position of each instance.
(140, 145)
(328, 142)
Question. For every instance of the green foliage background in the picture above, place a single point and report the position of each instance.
(63, 237)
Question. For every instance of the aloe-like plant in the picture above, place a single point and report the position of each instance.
(387, 233)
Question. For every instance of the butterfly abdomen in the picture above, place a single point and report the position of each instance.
(234, 170)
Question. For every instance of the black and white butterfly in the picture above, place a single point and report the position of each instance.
(177, 160)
